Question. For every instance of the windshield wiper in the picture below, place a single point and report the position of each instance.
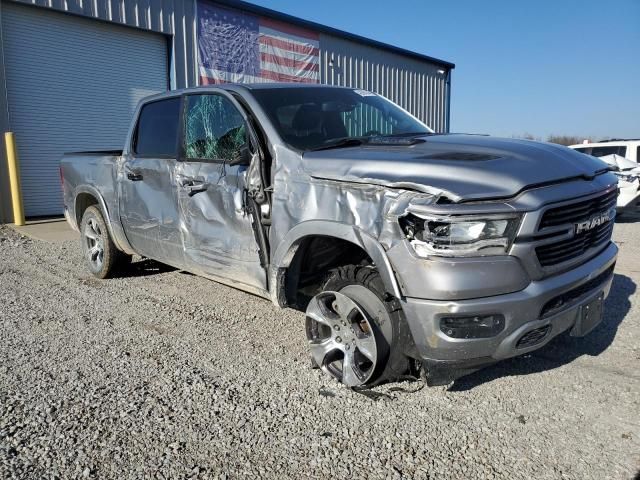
(340, 143)
(405, 134)
(388, 139)
(397, 140)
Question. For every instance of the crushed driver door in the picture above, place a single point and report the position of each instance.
(217, 226)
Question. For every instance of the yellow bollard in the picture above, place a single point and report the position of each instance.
(14, 178)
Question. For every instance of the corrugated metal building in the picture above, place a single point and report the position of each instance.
(72, 71)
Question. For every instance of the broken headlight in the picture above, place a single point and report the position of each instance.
(464, 235)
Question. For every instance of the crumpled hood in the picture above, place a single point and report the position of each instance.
(464, 167)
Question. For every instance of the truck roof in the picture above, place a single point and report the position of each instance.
(240, 86)
(271, 85)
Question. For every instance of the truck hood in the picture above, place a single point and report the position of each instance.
(462, 167)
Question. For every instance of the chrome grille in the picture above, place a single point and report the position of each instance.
(580, 211)
(581, 243)
(575, 247)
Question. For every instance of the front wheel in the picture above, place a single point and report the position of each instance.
(356, 330)
(100, 253)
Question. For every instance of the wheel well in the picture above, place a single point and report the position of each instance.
(83, 201)
(315, 257)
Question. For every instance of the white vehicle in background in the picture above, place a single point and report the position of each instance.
(625, 148)
(624, 157)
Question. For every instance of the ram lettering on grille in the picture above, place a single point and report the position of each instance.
(593, 222)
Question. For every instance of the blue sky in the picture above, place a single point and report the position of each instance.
(568, 67)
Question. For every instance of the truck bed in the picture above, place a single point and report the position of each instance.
(91, 173)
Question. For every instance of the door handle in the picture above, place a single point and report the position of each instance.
(134, 177)
(193, 189)
(194, 186)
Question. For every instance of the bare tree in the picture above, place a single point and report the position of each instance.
(526, 136)
(564, 139)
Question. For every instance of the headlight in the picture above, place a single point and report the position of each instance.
(468, 235)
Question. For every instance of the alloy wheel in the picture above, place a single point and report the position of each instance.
(341, 338)
(94, 242)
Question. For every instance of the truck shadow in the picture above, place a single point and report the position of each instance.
(144, 268)
(563, 349)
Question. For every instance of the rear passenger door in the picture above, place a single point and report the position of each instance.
(148, 204)
(218, 236)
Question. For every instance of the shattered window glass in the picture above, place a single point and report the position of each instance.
(214, 128)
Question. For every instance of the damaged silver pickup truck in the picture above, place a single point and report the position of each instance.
(406, 249)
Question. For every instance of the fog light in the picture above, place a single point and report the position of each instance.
(478, 326)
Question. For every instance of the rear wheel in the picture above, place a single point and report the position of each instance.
(100, 253)
(355, 329)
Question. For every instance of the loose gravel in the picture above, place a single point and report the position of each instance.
(162, 374)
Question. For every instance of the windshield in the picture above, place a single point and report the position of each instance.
(314, 117)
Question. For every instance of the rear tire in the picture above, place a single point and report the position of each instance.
(383, 317)
(100, 253)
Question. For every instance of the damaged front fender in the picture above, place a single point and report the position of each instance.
(291, 242)
(360, 212)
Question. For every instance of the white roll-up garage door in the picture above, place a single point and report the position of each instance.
(72, 85)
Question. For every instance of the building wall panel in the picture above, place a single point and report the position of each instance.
(417, 86)
(171, 17)
(175, 18)
(86, 103)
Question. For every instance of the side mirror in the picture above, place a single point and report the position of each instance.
(242, 156)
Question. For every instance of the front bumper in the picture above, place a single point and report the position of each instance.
(522, 311)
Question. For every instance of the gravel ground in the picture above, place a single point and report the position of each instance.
(162, 374)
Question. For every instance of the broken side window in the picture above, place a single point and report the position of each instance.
(214, 129)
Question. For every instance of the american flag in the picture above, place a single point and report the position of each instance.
(235, 46)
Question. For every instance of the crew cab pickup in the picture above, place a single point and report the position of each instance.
(408, 251)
